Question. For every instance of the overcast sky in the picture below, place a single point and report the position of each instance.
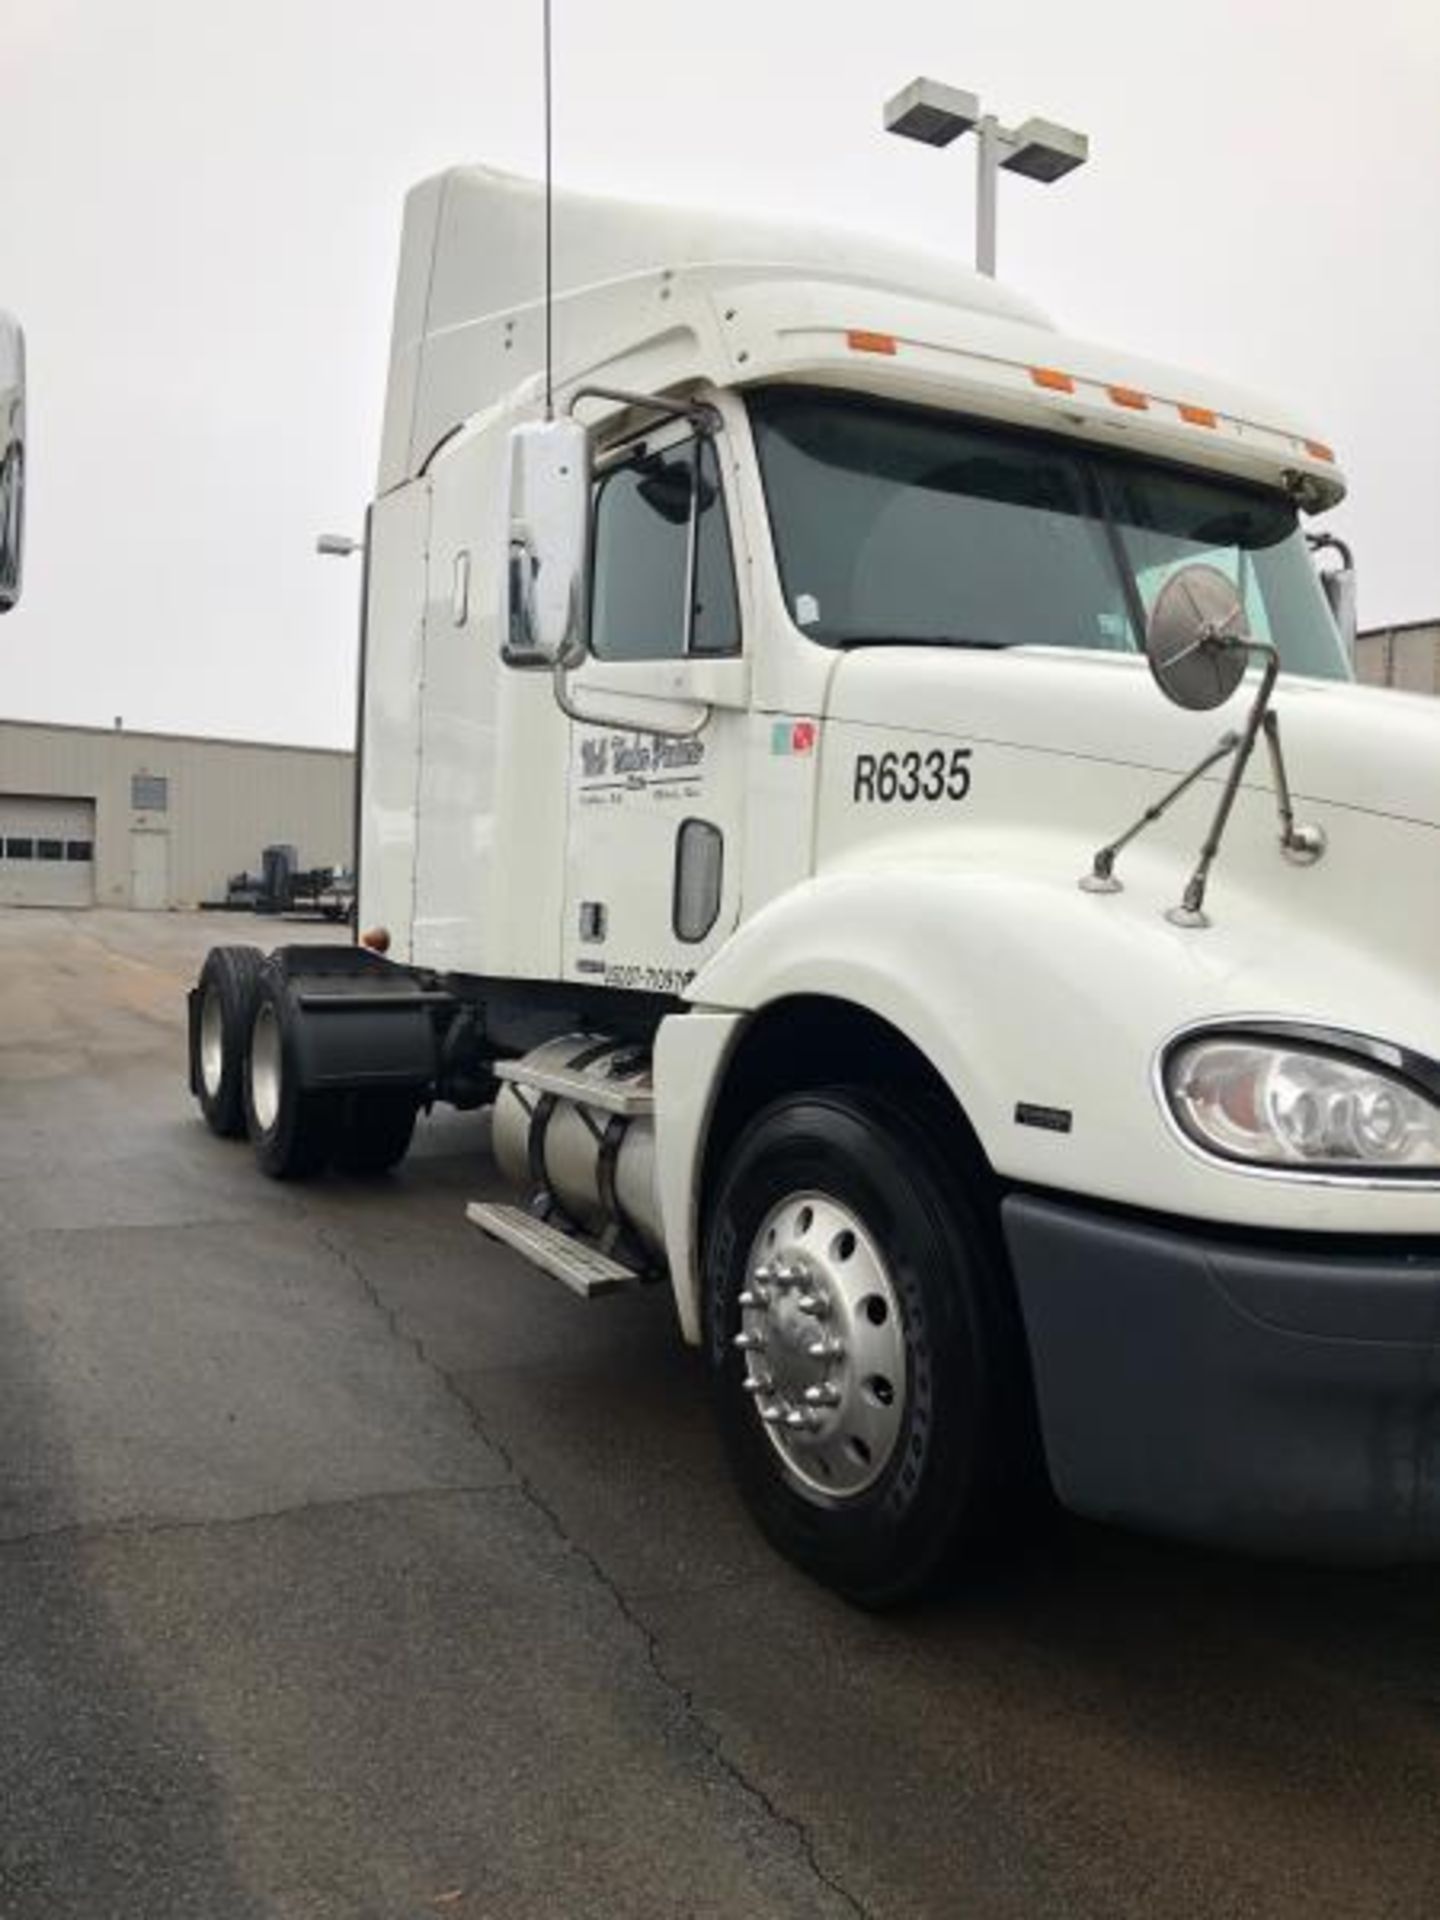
(199, 216)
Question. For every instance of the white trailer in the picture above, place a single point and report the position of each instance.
(747, 758)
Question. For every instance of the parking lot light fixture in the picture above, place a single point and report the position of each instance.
(1042, 150)
(931, 113)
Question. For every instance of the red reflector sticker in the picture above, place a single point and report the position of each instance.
(793, 736)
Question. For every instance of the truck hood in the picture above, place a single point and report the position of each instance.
(1361, 748)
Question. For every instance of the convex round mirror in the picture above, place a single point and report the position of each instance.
(1196, 640)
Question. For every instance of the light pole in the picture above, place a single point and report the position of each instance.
(1041, 150)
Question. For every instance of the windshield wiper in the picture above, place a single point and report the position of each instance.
(865, 637)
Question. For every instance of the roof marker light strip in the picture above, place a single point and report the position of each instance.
(1056, 380)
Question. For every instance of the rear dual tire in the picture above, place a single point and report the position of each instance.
(293, 1131)
(245, 1072)
(227, 988)
(297, 1132)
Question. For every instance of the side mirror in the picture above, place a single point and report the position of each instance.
(548, 551)
(12, 458)
(1340, 587)
(1196, 639)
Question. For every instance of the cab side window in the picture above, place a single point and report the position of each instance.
(642, 535)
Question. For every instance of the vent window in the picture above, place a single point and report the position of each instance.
(149, 792)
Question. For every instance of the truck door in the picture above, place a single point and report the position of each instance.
(656, 791)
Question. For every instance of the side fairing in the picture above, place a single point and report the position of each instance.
(389, 758)
(489, 772)
(455, 785)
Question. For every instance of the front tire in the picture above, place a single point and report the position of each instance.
(227, 988)
(868, 1376)
(293, 1131)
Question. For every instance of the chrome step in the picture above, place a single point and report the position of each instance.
(582, 1266)
(623, 1096)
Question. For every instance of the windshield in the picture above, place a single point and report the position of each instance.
(899, 524)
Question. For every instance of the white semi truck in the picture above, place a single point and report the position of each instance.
(768, 796)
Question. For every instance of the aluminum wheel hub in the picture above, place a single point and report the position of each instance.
(212, 1042)
(824, 1346)
(265, 1067)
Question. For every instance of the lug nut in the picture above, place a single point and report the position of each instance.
(822, 1396)
(748, 1342)
(826, 1349)
(814, 1303)
(799, 1421)
(757, 1385)
(772, 1416)
(754, 1297)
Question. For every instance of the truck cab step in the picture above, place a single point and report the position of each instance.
(580, 1264)
(622, 1097)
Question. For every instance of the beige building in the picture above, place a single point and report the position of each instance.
(119, 819)
(1407, 656)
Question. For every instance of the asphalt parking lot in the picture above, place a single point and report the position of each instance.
(350, 1569)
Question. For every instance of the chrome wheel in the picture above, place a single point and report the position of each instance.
(824, 1346)
(265, 1067)
(212, 1041)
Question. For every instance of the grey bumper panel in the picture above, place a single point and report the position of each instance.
(1284, 1402)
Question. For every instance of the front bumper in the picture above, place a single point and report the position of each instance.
(1276, 1400)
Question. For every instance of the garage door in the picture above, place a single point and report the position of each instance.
(47, 851)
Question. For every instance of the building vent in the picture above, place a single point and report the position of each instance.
(149, 792)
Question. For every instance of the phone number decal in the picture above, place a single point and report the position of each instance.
(941, 774)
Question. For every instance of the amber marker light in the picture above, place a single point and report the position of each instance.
(1129, 397)
(1053, 379)
(862, 342)
(377, 939)
(1318, 450)
(1199, 416)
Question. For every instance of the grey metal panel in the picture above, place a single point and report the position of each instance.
(1406, 657)
(1413, 659)
(1372, 659)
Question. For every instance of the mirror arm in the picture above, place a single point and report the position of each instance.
(568, 707)
(1191, 910)
(1331, 542)
(1303, 844)
(703, 417)
(692, 541)
(1101, 877)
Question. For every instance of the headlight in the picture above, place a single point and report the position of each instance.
(1273, 1104)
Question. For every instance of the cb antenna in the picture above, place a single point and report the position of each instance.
(549, 236)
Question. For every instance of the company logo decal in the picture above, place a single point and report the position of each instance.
(630, 756)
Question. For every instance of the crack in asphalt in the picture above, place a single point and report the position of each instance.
(143, 1526)
(710, 1737)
